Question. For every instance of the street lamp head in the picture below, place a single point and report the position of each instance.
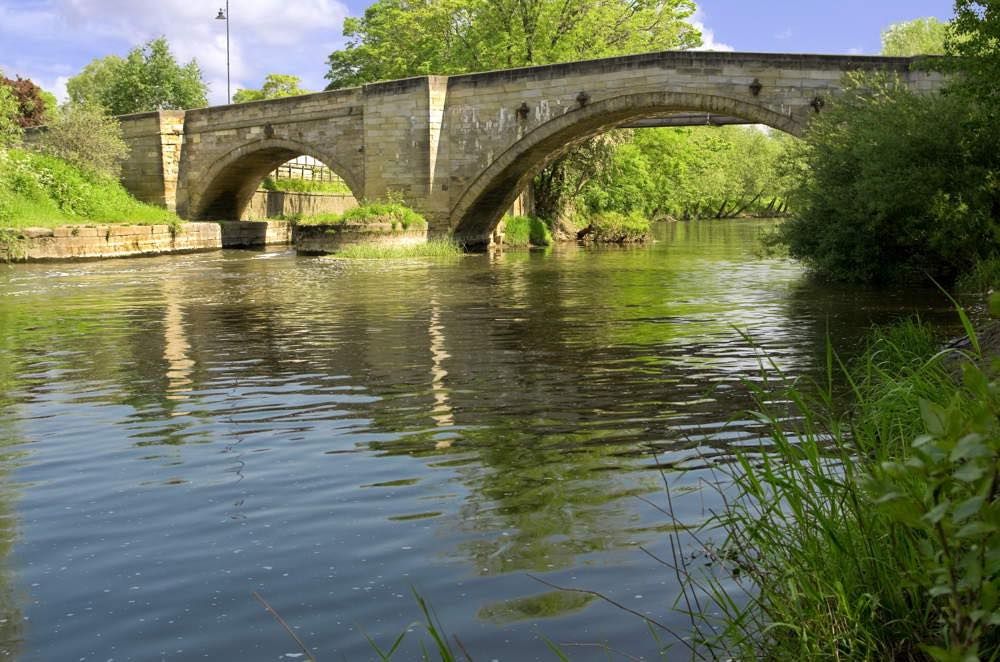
(222, 16)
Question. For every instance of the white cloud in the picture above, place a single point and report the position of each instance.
(265, 35)
(707, 35)
(784, 34)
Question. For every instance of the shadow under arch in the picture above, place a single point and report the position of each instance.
(231, 181)
(484, 202)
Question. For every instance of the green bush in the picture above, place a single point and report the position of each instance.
(526, 231)
(42, 190)
(85, 136)
(10, 130)
(615, 228)
(897, 187)
(394, 213)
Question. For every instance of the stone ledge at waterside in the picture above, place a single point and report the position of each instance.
(81, 242)
(326, 239)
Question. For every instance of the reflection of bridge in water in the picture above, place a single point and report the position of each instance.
(460, 148)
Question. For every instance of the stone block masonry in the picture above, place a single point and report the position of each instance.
(80, 242)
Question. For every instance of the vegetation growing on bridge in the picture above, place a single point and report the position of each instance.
(389, 211)
(526, 231)
(305, 186)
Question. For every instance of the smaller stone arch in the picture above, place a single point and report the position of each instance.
(483, 203)
(225, 189)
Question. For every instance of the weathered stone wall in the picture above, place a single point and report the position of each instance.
(248, 234)
(323, 239)
(228, 150)
(151, 168)
(274, 204)
(103, 241)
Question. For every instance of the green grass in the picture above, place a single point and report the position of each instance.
(305, 186)
(984, 277)
(615, 228)
(870, 534)
(526, 231)
(398, 215)
(434, 248)
(37, 190)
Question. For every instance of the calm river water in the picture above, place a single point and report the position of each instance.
(180, 432)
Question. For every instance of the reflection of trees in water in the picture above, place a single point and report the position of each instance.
(11, 619)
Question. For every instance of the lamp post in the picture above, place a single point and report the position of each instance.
(224, 16)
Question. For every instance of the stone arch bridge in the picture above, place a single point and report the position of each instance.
(460, 148)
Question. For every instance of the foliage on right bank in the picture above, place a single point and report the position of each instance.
(899, 186)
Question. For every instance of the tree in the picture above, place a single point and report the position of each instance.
(897, 188)
(276, 86)
(975, 41)
(89, 85)
(30, 99)
(148, 78)
(10, 130)
(458, 36)
(921, 36)
(86, 136)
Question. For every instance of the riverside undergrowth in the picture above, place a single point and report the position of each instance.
(39, 190)
(870, 534)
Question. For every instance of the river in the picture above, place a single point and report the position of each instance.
(180, 432)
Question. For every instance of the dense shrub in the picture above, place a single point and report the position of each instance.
(526, 231)
(85, 136)
(615, 228)
(31, 103)
(10, 130)
(897, 187)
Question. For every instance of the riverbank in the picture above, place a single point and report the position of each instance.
(885, 542)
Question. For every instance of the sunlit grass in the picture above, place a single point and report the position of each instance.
(434, 248)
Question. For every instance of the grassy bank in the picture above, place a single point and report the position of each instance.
(305, 186)
(38, 190)
(615, 228)
(526, 231)
(870, 534)
(395, 214)
(435, 248)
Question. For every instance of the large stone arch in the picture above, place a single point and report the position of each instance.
(229, 183)
(481, 206)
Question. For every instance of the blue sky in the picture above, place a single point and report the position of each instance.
(51, 40)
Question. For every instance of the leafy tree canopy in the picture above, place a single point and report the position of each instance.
(399, 38)
(922, 36)
(31, 101)
(148, 78)
(276, 86)
(975, 40)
